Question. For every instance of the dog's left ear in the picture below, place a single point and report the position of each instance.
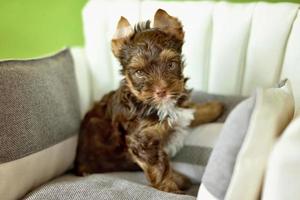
(124, 30)
(168, 24)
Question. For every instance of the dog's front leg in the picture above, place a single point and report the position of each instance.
(146, 148)
(205, 112)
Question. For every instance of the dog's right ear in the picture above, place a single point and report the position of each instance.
(124, 30)
(168, 24)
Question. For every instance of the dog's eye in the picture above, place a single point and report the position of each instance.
(172, 66)
(139, 74)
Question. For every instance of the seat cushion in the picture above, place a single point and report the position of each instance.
(191, 161)
(101, 186)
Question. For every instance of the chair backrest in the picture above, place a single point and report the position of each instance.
(230, 48)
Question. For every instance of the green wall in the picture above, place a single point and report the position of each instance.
(30, 28)
(246, 1)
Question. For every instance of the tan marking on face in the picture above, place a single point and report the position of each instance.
(167, 54)
(177, 86)
(137, 62)
(160, 84)
(138, 94)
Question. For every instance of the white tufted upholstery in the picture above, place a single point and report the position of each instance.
(230, 48)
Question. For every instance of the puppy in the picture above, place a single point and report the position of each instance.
(142, 123)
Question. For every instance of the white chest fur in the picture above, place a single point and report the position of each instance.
(179, 118)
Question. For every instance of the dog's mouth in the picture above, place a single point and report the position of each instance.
(163, 106)
(166, 102)
(164, 98)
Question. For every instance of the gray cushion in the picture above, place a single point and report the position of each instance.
(39, 104)
(196, 155)
(219, 169)
(100, 187)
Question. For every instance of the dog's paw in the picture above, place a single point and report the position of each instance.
(216, 109)
(182, 181)
(174, 183)
(169, 186)
(207, 112)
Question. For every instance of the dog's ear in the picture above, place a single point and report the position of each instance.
(124, 30)
(168, 24)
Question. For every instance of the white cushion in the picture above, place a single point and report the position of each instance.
(205, 194)
(282, 179)
(83, 77)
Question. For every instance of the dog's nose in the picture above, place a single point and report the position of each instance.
(160, 92)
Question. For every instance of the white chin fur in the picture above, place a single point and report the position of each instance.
(179, 119)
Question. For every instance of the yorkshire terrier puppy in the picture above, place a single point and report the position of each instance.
(142, 123)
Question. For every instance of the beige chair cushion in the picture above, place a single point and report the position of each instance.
(236, 167)
(273, 111)
(20, 176)
(282, 179)
(39, 121)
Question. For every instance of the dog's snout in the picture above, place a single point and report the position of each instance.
(160, 92)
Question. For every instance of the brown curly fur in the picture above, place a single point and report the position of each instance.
(123, 131)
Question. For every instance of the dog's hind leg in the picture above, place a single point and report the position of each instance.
(102, 148)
